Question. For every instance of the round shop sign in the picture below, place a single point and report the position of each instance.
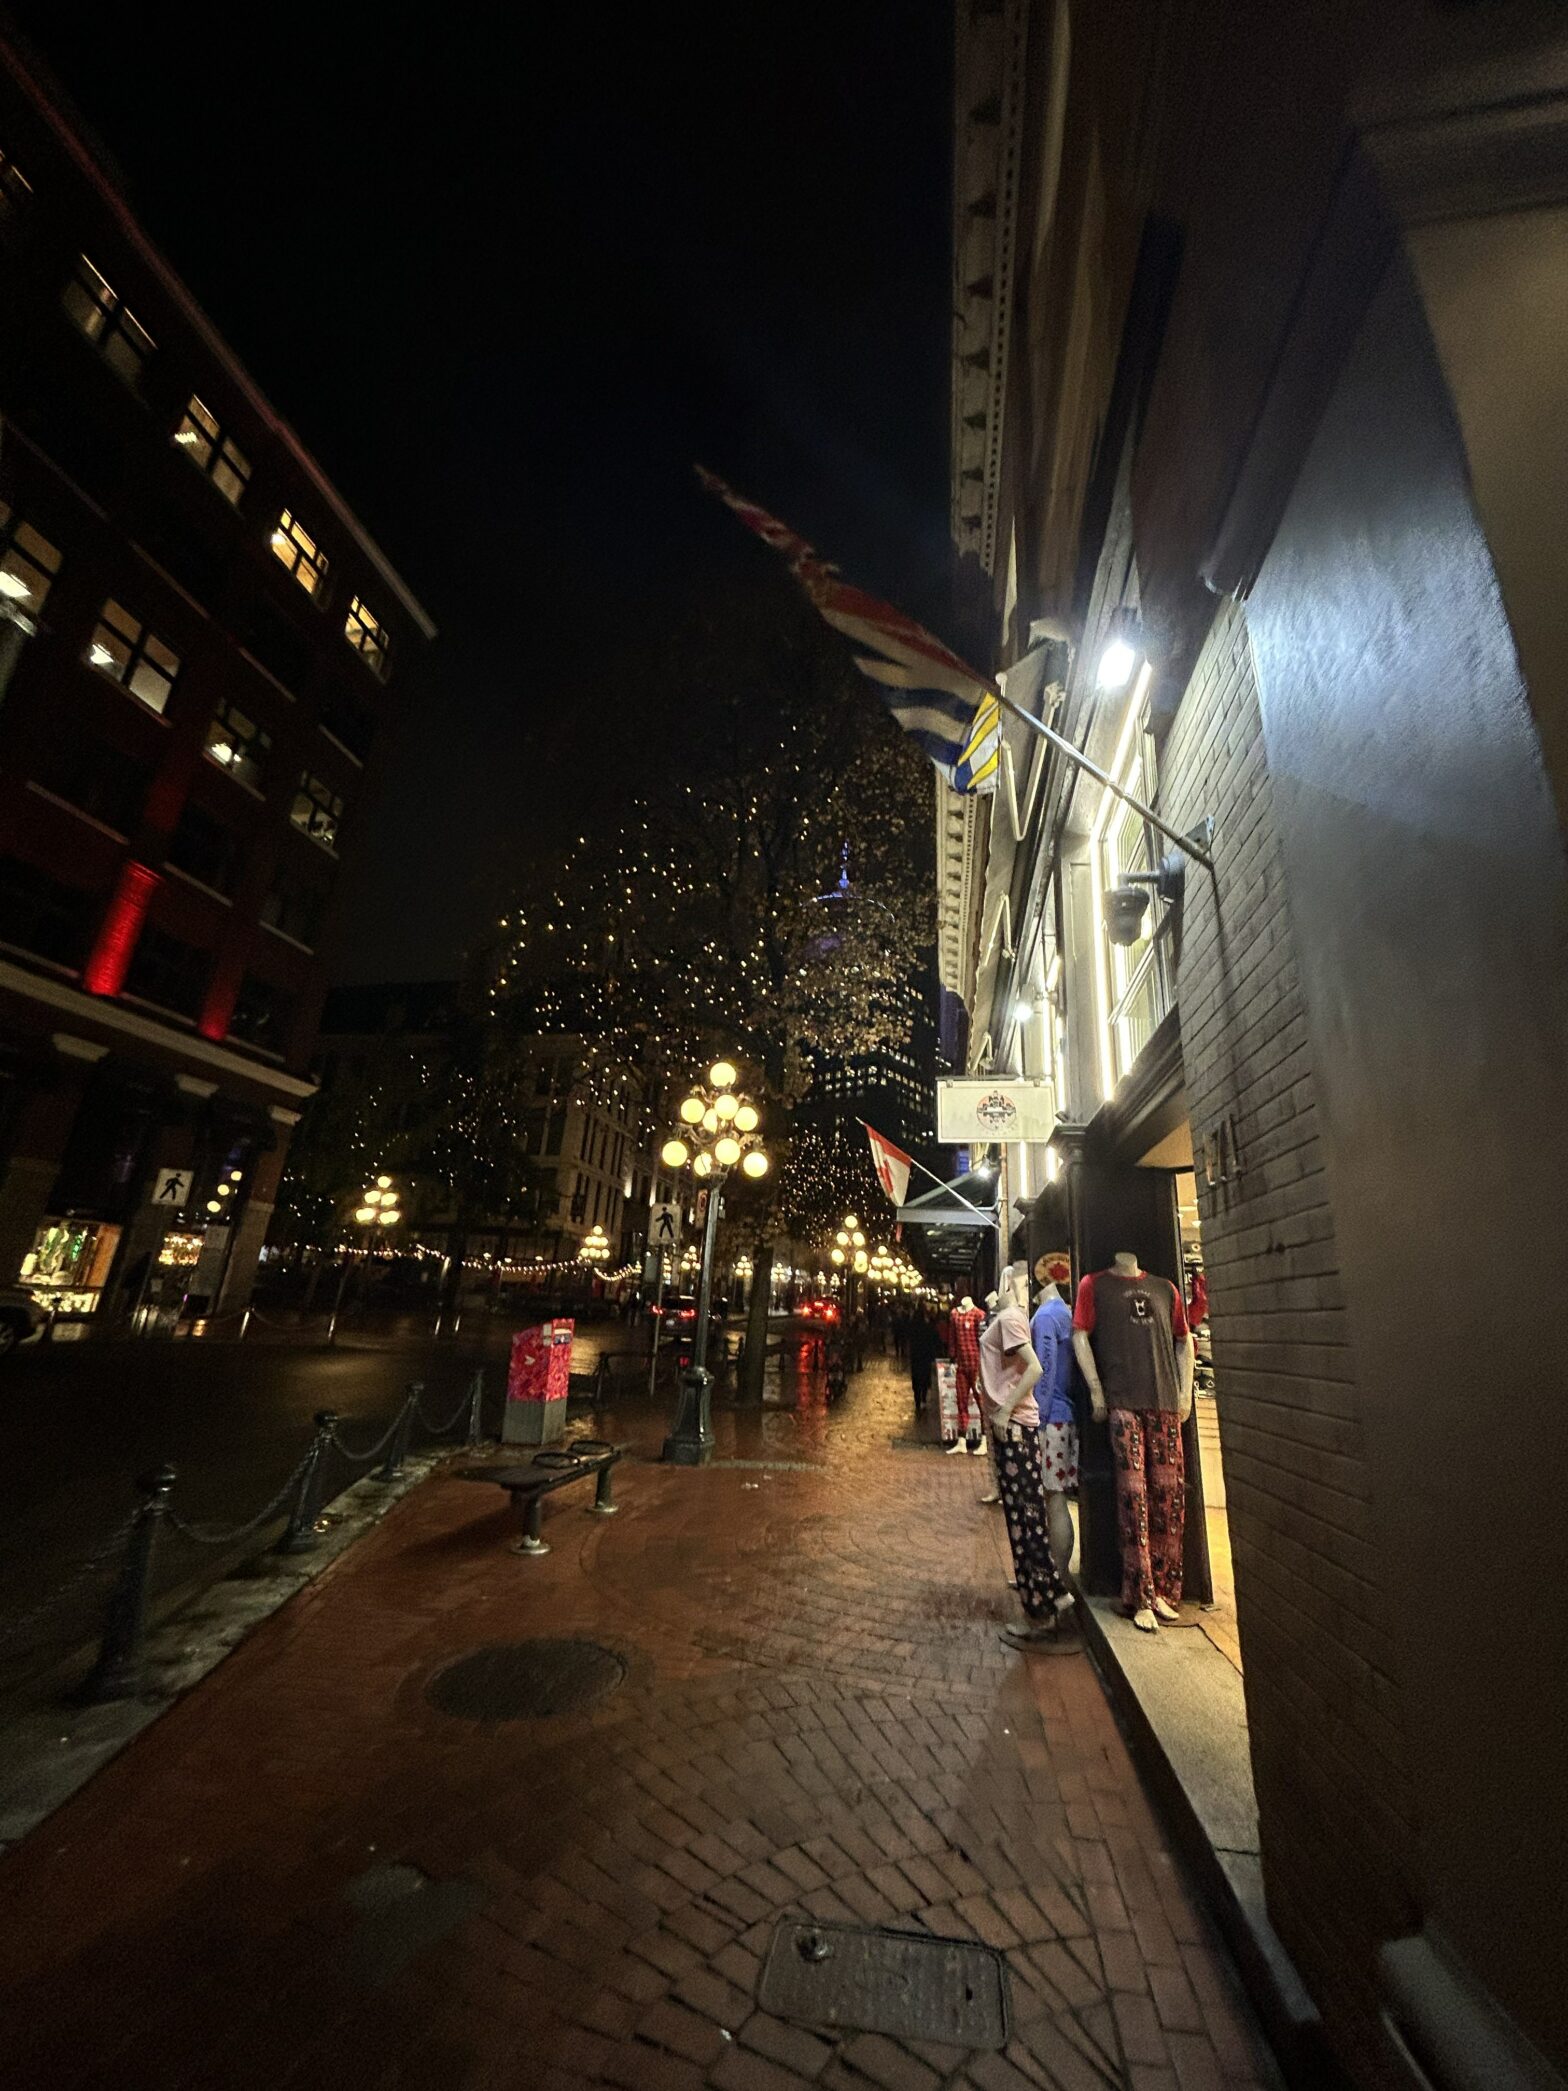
(996, 1111)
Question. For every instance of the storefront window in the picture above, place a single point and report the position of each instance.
(1133, 981)
(68, 1264)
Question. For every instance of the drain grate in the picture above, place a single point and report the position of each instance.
(897, 1982)
(525, 1680)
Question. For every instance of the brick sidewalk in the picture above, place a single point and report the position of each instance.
(817, 1717)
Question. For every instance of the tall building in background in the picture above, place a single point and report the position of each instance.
(198, 648)
(892, 1088)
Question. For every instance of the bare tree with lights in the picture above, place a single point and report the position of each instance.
(771, 902)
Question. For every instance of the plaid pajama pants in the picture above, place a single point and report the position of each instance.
(1151, 1504)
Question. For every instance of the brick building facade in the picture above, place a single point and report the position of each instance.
(199, 644)
(1250, 382)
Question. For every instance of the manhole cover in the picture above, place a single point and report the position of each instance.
(898, 1982)
(525, 1680)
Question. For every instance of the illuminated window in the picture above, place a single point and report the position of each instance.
(238, 745)
(120, 338)
(316, 811)
(27, 566)
(369, 639)
(131, 655)
(15, 188)
(1133, 981)
(205, 444)
(300, 553)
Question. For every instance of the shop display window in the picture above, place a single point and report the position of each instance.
(69, 1263)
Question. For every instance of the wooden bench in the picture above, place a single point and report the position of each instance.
(557, 1466)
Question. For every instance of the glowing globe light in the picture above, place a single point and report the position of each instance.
(365, 1216)
(746, 1120)
(851, 1220)
(710, 1121)
(389, 1216)
(755, 1164)
(692, 1110)
(726, 1105)
(383, 1183)
(726, 1152)
(722, 1075)
(675, 1154)
(838, 1256)
(703, 1165)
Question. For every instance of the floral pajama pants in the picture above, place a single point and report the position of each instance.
(1021, 1485)
(1151, 1504)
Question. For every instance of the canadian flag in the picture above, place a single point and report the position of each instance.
(891, 1164)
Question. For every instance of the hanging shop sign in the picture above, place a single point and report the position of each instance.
(973, 1109)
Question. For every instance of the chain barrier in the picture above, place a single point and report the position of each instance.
(439, 1430)
(363, 1459)
(207, 1535)
(18, 1628)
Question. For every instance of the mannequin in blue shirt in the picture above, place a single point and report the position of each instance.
(1051, 1334)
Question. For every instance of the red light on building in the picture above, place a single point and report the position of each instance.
(110, 961)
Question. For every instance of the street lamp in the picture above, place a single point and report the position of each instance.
(377, 1207)
(596, 1245)
(720, 1133)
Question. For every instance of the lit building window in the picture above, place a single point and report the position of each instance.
(205, 444)
(316, 811)
(368, 637)
(15, 188)
(1132, 981)
(27, 566)
(131, 655)
(119, 336)
(238, 745)
(300, 553)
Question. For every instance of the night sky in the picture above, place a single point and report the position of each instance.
(507, 287)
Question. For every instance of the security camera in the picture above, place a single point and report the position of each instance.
(1125, 908)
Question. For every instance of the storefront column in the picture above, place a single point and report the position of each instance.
(43, 1128)
(261, 1197)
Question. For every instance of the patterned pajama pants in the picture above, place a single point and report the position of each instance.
(1151, 1504)
(1041, 1591)
(968, 1407)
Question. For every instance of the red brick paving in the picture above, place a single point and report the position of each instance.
(818, 1718)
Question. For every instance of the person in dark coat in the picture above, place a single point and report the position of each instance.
(925, 1347)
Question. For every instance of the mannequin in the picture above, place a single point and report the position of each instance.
(1009, 1371)
(1134, 1348)
(966, 1322)
(1050, 1334)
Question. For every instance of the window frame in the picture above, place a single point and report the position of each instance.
(11, 527)
(106, 322)
(1128, 976)
(333, 808)
(298, 553)
(222, 454)
(224, 713)
(373, 643)
(137, 639)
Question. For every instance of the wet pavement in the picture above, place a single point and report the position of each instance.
(311, 1873)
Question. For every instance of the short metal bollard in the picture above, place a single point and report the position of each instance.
(300, 1535)
(397, 1452)
(475, 1405)
(604, 1503)
(117, 1672)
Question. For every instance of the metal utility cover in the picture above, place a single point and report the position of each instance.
(526, 1680)
(898, 1982)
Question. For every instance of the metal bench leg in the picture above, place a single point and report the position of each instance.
(603, 1504)
(532, 1542)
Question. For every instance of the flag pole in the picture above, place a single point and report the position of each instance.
(941, 1182)
(1065, 747)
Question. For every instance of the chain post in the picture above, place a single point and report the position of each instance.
(117, 1672)
(397, 1451)
(300, 1536)
(475, 1404)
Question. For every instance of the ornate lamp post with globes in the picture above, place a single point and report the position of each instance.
(849, 1255)
(720, 1134)
(378, 1207)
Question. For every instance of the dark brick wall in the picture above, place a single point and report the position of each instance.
(1328, 1753)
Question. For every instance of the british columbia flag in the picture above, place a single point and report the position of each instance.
(938, 699)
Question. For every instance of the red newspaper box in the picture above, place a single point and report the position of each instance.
(536, 1384)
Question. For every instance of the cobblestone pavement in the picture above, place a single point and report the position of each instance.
(817, 1716)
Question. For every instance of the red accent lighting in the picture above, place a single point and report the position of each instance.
(110, 959)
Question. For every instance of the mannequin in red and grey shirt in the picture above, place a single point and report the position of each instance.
(1133, 1346)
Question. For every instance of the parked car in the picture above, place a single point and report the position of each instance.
(22, 1319)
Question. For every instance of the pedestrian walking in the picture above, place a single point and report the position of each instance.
(924, 1349)
(1009, 1374)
